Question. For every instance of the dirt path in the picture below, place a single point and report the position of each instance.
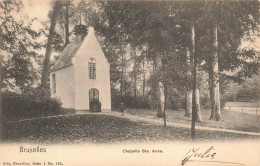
(148, 119)
(154, 120)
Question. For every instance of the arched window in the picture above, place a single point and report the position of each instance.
(92, 68)
(54, 83)
(93, 94)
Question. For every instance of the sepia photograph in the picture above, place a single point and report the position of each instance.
(136, 82)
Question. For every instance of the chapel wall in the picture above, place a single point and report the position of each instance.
(64, 86)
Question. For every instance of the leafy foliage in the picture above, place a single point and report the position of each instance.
(134, 31)
(165, 27)
(248, 90)
(239, 20)
(18, 46)
(32, 103)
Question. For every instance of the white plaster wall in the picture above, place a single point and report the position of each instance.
(64, 86)
(90, 48)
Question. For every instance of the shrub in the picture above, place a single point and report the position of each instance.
(131, 102)
(12, 103)
(35, 102)
(39, 99)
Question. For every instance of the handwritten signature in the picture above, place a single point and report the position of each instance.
(197, 153)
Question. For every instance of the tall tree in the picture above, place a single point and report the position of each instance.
(192, 66)
(240, 20)
(18, 51)
(187, 20)
(18, 47)
(167, 25)
(46, 63)
(124, 11)
(137, 69)
(188, 94)
(66, 15)
(135, 79)
(122, 75)
(144, 79)
(164, 111)
(160, 86)
(1, 109)
(194, 82)
(214, 81)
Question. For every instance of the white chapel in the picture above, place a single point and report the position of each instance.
(80, 77)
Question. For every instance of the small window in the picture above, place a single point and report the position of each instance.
(54, 83)
(92, 68)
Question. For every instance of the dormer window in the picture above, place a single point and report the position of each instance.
(92, 68)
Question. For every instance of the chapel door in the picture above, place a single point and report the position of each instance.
(93, 94)
(94, 100)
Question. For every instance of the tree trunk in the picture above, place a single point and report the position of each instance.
(67, 33)
(214, 79)
(211, 89)
(164, 109)
(121, 76)
(188, 92)
(160, 88)
(217, 104)
(188, 103)
(135, 79)
(161, 94)
(1, 108)
(46, 63)
(143, 80)
(124, 81)
(233, 91)
(198, 118)
(194, 83)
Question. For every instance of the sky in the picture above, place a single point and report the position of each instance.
(37, 8)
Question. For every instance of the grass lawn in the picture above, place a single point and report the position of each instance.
(229, 119)
(95, 128)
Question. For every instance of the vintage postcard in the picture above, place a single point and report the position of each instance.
(86, 82)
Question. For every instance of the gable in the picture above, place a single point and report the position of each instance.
(89, 45)
(90, 48)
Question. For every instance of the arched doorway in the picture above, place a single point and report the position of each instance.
(94, 102)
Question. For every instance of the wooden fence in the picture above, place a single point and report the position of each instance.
(245, 109)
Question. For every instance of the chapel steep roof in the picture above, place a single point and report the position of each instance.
(66, 56)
